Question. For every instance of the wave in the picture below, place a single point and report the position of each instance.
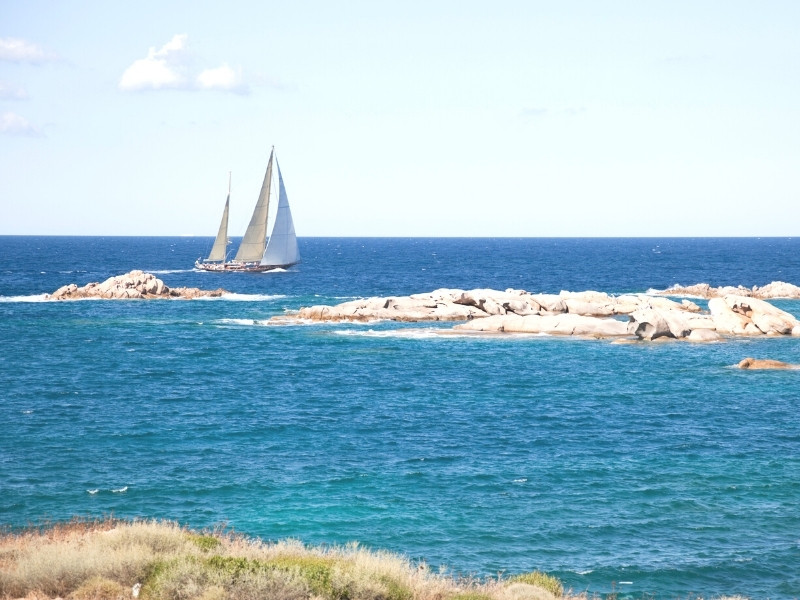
(121, 490)
(239, 322)
(32, 298)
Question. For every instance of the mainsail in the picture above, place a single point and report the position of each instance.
(252, 246)
(220, 247)
(282, 246)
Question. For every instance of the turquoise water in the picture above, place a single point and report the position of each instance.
(656, 465)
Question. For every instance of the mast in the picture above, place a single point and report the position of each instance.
(219, 249)
(255, 237)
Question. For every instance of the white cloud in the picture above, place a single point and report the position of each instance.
(221, 78)
(161, 69)
(14, 124)
(169, 68)
(18, 50)
(9, 92)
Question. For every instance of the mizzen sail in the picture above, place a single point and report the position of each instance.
(220, 247)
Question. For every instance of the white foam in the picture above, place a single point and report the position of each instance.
(121, 490)
(240, 322)
(33, 298)
(92, 492)
(275, 270)
(521, 480)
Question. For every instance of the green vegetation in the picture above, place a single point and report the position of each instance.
(542, 580)
(148, 560)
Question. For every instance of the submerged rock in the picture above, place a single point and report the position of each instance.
(765, 363)
(133, 285)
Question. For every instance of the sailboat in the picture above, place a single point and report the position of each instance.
(257, 251)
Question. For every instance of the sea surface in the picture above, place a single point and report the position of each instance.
(648, 470)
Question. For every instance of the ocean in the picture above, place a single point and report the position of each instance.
(645, 470)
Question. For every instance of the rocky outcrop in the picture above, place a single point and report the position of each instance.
(133, 285)
(588, 314)
(771, 291)
(765, 363)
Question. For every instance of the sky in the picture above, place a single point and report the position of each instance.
(415, 118)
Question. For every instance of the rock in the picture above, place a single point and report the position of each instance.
(648, 324)
(522, 307)
(767, 318)
(134, 285)
(776, 289)
(572, 313)
(563, 324)
(725, 319)
(704, 335)
(765, 363)
(550, 303)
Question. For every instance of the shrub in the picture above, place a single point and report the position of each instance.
(100, 588)
(541, 580)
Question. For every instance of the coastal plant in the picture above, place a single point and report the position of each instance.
(116, 560)
(205, 542)
(540, 580)
(100, 588)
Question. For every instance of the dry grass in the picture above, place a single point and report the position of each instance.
(120, 560)
(104, 560)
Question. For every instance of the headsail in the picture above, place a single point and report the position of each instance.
(252, 246)
(282, 247)
(220, 247)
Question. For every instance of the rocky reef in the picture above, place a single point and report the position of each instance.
(588, 314)
(771, 291)
(133, 285)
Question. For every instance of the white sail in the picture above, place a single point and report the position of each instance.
(220, 247)
(282, 248)
(252, 246)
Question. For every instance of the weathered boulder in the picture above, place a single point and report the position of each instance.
(765, 363)
(726, 320)
(550, 303)
(767, 318)
(648, 324)
(703, 335)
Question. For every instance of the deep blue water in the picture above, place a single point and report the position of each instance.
(654, 464)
